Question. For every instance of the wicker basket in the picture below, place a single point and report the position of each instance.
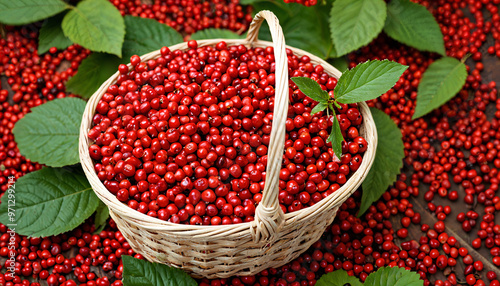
(273, 238)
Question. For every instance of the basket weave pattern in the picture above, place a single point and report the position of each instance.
(273, 238)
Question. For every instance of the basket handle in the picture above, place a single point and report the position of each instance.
(268, 215)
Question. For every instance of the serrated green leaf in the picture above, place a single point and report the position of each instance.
(388, 160)
(412, 24)
(49, 134)
(367, 81)
(92, 72)
(311, 88)
(336, 137)
(52, 35)
(101, 216)
(96, 25)
(49, 202)
(137, 272)
(319, 107)
(338, 278)
(20, 12)
(440, 82)
(339, 63)
(212, 33)
(355, 23)
(147, 35)
(295, 19)
(393, 276)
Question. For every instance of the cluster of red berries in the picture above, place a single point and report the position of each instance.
(75, 258)
(185, 137)
(189, 16)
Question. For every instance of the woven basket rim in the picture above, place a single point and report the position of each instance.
(139, 218)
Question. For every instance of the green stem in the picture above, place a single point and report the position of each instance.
(336, 104)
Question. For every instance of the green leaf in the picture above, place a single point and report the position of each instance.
(367, 81)
(319, 107)
(385, 276)
(355, 23)
(440, 82)
(92, 72)
(96, 25)
(247, 2)
(137, 272)
(49, 202)
(338, 278)
(101, 216)
(336, 136)
(49, 134)
(393, 276)
(212, 33)
(311, 89)
(412, 24)
(52, 35)
(388, 160)
(339, 63)
(147, 35)
(20, 12)
(300, 25)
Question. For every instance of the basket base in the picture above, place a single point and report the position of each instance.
(222, 259)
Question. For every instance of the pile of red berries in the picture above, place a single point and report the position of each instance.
(189, 16)
(75, 258)
(185, 137)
